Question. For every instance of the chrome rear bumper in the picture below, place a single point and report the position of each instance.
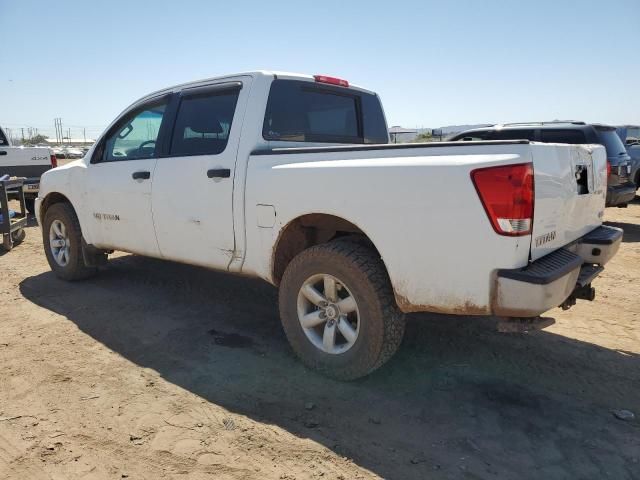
(552, 280)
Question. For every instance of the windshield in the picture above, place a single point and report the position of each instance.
(611, 142)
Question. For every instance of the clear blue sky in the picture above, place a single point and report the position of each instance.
(433, 63)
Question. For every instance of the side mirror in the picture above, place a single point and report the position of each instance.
(98, 152)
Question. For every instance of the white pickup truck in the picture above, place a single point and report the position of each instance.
(290, 179)
(27, 162)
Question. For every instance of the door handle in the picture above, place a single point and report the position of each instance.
(3, 152)
(141, 175)
(219, 173)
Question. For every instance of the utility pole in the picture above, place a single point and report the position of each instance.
(22, 129)
(59, 132)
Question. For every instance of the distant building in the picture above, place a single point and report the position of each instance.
(399, 134)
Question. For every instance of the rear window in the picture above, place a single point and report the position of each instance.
(300, 111)
(611, 142)
(563, 136)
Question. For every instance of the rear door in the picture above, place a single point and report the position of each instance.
(193, 184)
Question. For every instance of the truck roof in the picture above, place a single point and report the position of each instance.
(256, 73)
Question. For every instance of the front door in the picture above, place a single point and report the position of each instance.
(193, 185)
(120, 179)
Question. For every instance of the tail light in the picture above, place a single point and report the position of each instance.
(54, 161)
(331, 80)
(507, 196)
(608, 168)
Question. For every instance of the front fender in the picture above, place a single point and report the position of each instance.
(65, 182)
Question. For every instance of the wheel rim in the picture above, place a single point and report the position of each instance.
(328, 314)
(59, 243)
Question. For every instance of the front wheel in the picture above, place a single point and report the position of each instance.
(62, 240)
(338, 310)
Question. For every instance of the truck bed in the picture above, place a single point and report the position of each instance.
(419, 204)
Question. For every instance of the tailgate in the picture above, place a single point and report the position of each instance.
(28, 162)
(570, 191)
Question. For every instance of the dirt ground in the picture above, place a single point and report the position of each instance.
(157, 370)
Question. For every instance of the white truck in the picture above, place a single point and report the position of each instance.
(291, 179)
(27, 162)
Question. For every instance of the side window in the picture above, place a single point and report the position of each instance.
(203, 123)
(3, 140)
(135, 137)
(562, 136)
(473, 136)
(512, 134)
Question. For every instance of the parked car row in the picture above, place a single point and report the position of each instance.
(622, 172)
(25, 162)
(69, 152)
(630, 135)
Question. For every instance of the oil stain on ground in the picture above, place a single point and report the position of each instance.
(231, 340)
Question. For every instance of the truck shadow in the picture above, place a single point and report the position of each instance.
(631, 230)
(458, 400)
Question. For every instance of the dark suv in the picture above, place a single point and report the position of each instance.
(620, 187)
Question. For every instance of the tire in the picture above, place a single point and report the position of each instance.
(74, 267)
(30, 204)
(361, 274)
(18, 236)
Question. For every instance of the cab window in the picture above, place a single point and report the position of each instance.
(136, 135)
(203, 123)
(299, 111)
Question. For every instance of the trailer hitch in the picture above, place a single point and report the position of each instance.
(581, 292)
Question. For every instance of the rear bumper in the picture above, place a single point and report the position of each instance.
(620, 194)
(549, 281)
(30, 187)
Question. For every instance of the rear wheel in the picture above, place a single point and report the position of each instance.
(338, 310)
(62, 240)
